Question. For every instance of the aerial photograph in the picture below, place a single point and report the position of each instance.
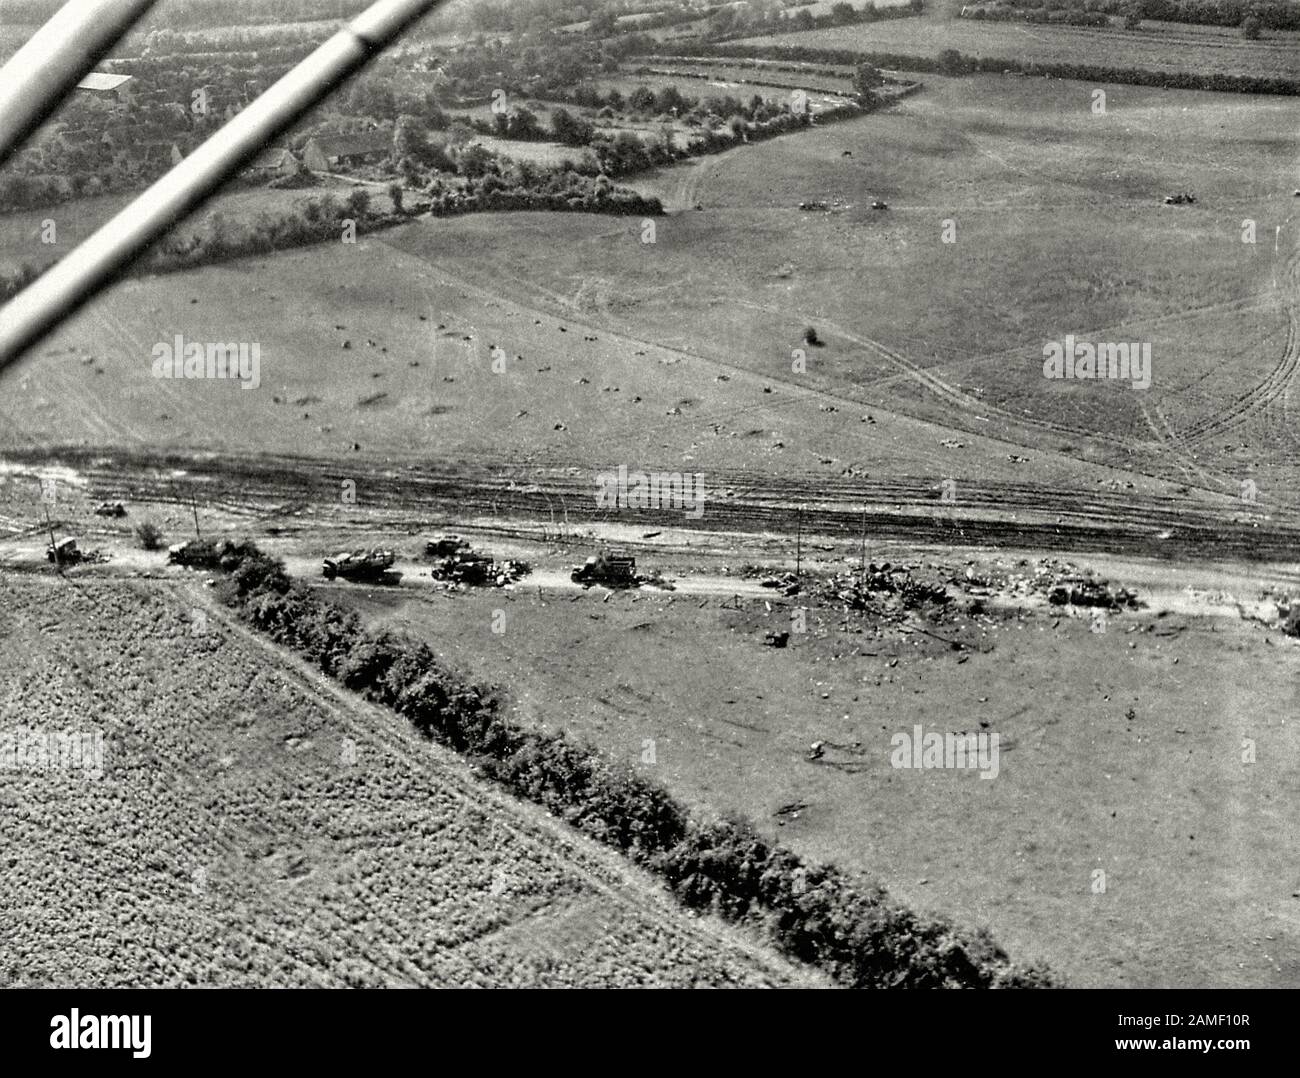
(650, 494)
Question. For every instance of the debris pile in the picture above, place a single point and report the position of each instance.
(1087, 590)
(1289, 616)
(471, 569)
(456, 562)
(860, 590)
(787, 583)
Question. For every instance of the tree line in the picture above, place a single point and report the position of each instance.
(1265, 14)
(952, 62)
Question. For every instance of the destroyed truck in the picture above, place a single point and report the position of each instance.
(211, 554)
(445, 546)
(612, 570)
(64, 552)
(67, 552)
(466, 567)
(362, 566)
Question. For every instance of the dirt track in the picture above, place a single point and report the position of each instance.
(992, 514)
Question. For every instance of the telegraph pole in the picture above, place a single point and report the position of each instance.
(862, 566)
(54, 547)
(798, 545)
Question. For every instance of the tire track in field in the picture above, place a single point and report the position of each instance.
(1280, 380)
(798, 393)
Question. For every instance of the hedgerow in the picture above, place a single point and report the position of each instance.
(951, 62)
(814, 913)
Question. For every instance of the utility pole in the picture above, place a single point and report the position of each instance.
(194, 504)
(798, 545)
(54, 547)
(862, 567)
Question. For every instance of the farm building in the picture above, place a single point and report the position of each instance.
(333, 151)
(122, 87)
(273, 164)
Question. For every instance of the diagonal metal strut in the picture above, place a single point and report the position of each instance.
(90, 267)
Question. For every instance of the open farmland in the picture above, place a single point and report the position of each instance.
(254, 826)
(702, 82)
(1155, 47)
(21, 238)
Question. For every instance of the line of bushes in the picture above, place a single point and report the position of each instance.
(903, 88)
(813, 913)
(1269, 14)
(951, 62)
(321, 220)
(595, 198)
(1054, 17)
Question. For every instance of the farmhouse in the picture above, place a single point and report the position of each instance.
(332, 151)
(273, 164)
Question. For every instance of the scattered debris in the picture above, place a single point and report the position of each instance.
(1089, 591)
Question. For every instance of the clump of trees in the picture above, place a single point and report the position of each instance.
(570, 130)
(149, 535)
(814, 913)
(13, 283)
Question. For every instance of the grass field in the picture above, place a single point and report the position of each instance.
(21, 237)
(1197, 847)
(253, 826)
(709, 82)
(1155, 47)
